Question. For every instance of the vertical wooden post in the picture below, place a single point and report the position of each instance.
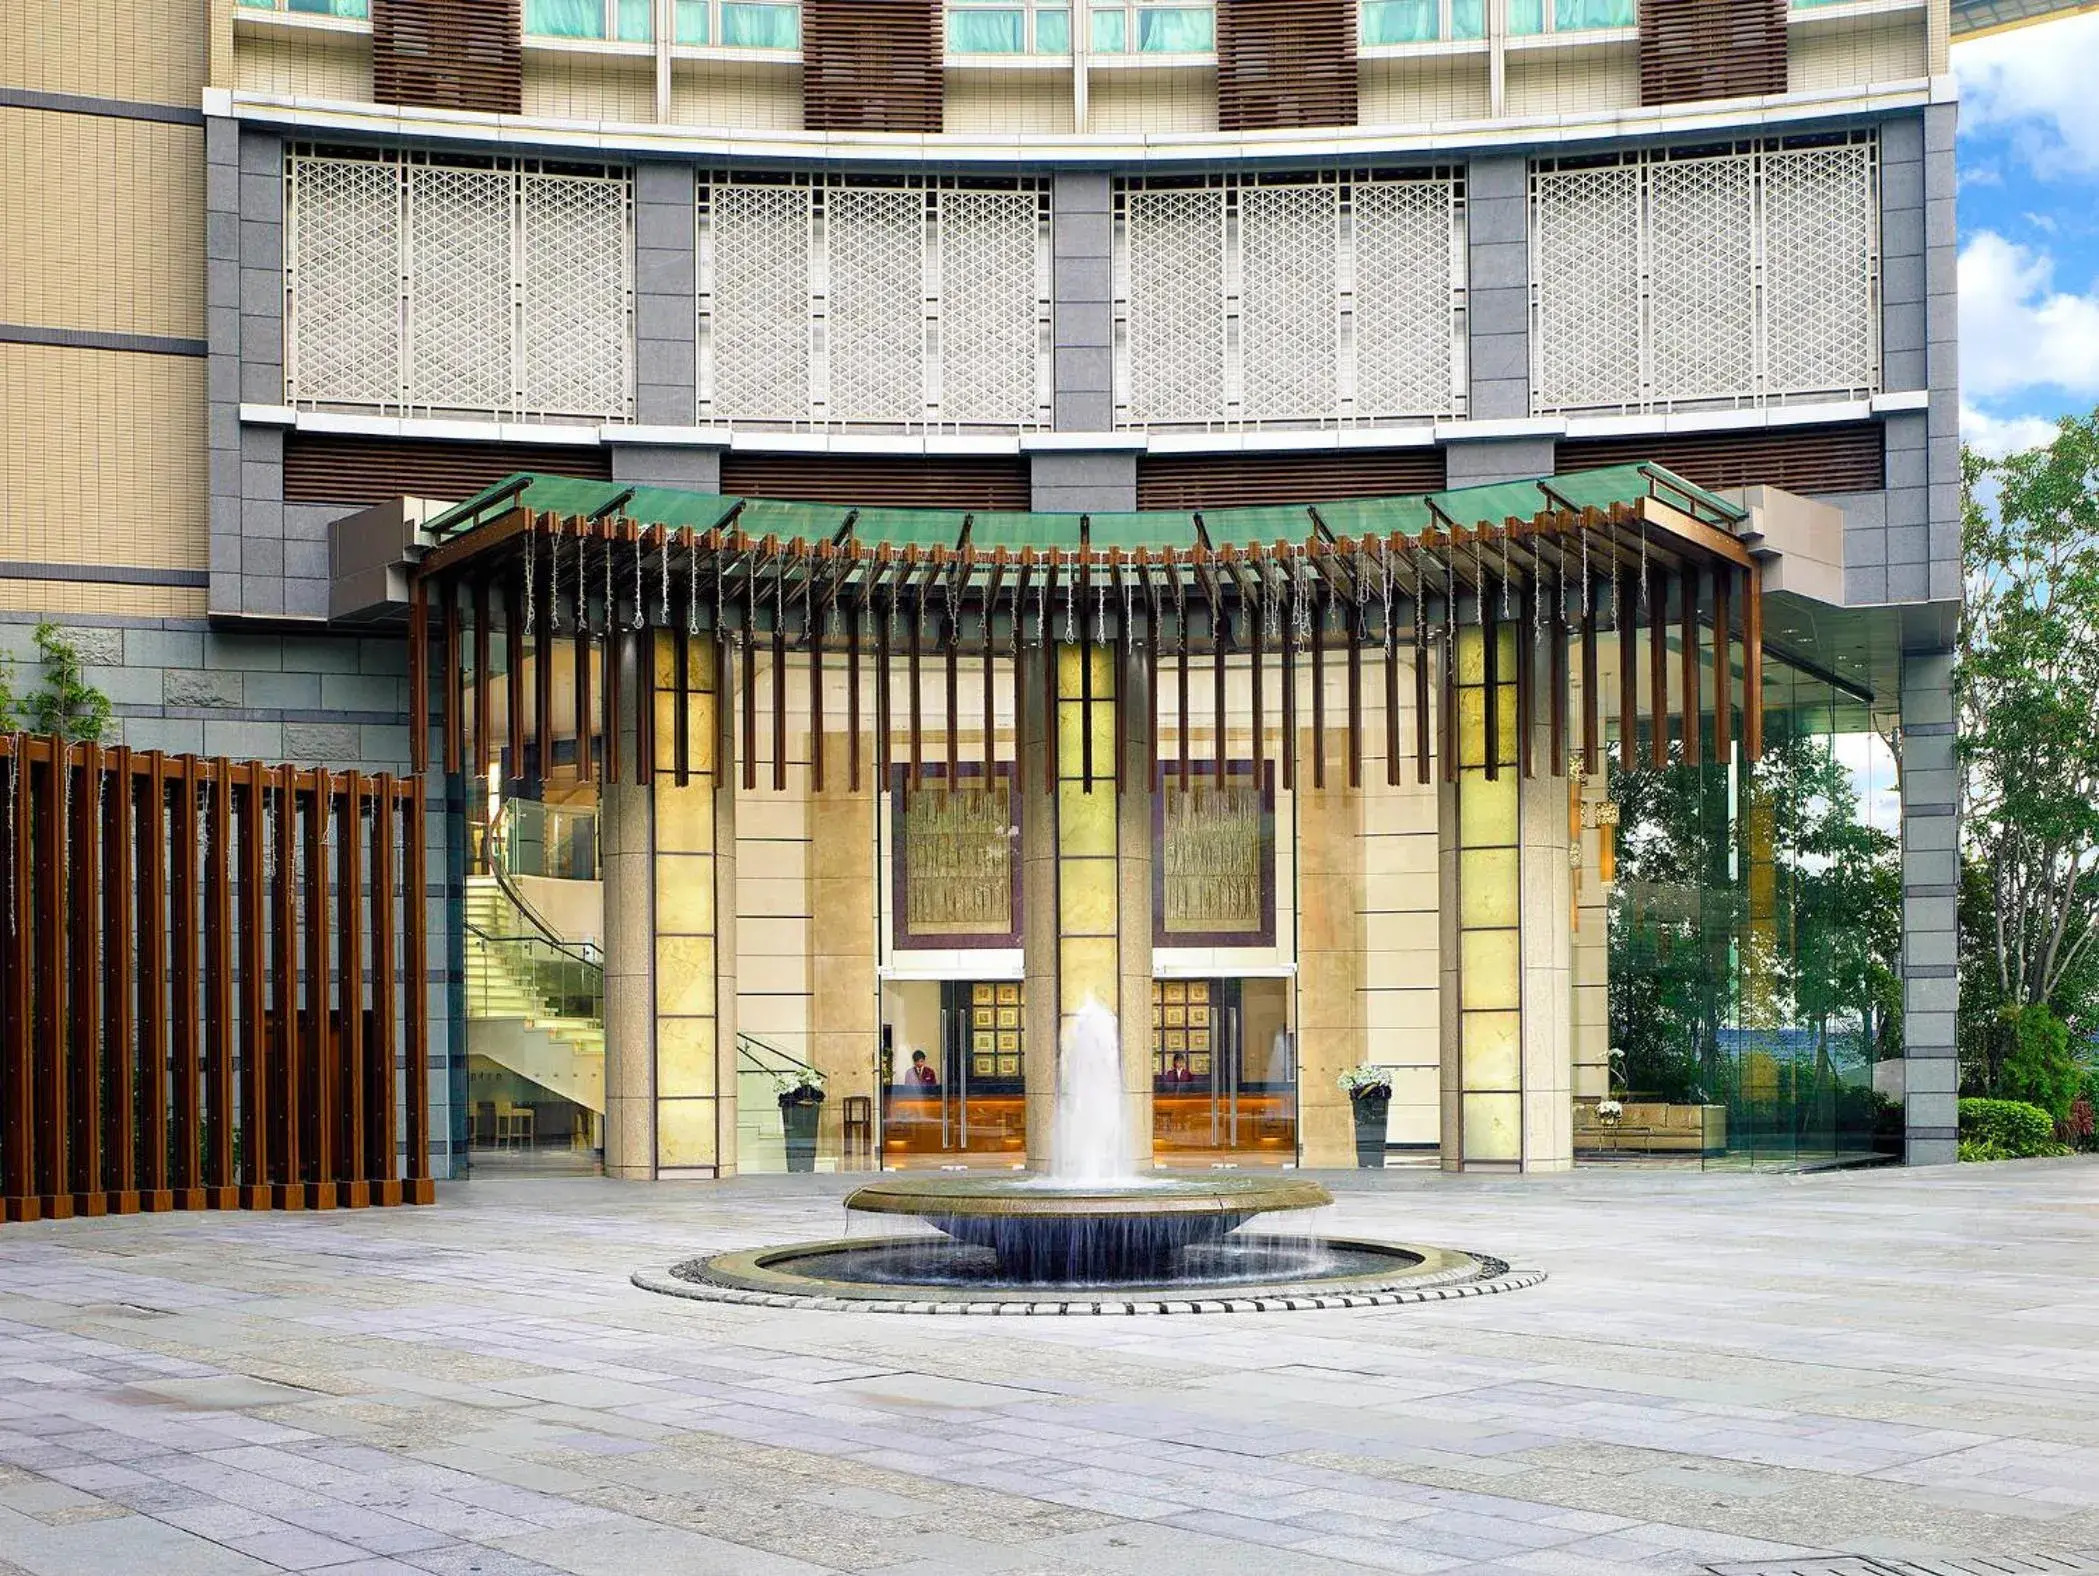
(913, 649)
(645, 708)
(354, 1190)
(813, 634)
(382, 1052)
(455, 679)
(1628, 594)
(419, 676)
(1422, 752)
(289, 1187)
(1592, 702)
(84, 1019)
(220, 1178)
(324, 1084)
(1687, 584)
(852, 695)
(1220, 707)
(1753, 667)
(514, 676)
(1723, 666)
(1490, 658)
(256, 1087)
(154, 1183)
(119, 865)
(1556, 633)
(615, 682)
(1392, 744)
(188, 1177)
(586, 763)
(1352, 630)
(17, 1049)
(1658, 667)
(418, 1188)
(484, 688)
(1526, 680)
(542, 667)
(780, 689)
(1256, 622)
(53, 1148)
(1288, 677)
(1318, 685)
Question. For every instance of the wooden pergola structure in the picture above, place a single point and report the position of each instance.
(1631, 555)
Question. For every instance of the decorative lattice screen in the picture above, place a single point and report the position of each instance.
(1710, 281)
(1300, 303)
(903, 305)
(493, 290)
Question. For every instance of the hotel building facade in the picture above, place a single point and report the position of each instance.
(1409, 533)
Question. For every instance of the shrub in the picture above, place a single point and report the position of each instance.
(2006, 1130)
(2039, 1068)
(2082, 1130)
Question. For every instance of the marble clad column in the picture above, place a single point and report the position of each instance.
(1037, 808)
(844, 1004)
(694, 872)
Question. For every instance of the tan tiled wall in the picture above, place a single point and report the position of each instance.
(1138, 100)
(104, 223)
(1008, 103)
(102, 457)
(1886, 48)
(151, 54)
(755, 97)
(1407, 92)
(304, 63)
(1572, 81)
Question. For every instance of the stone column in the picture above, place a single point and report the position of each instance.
(844, 1005)
(1036, 805)
(1930, 892)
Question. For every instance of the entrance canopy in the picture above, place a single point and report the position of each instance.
(1547, 569)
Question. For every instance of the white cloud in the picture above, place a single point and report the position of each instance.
(2017, 330)
(1997, 436)
(2036, 82)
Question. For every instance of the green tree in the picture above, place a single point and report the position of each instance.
(2039, 1068)
(2027, 690)
(66, 703)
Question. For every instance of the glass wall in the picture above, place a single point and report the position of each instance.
(1753, 931)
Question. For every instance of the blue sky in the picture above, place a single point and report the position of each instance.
(2029, 230)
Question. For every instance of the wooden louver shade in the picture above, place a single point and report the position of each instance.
(1221, 481)
(857, 482)
(327, 469)
(872, 65)
(1285, 63)
(1850, 458)
(1711, 49)
(449, 54)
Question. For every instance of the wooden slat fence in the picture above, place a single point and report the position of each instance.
(211, 985)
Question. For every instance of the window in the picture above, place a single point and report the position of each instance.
(1154, 29)
(1527, 17)
(1707, 280)
(738, 24)
(1425, 21)
(1008, 27)
(1297, 301)
(908, 304)
(354, 10)
(500, 289)
(627, 21)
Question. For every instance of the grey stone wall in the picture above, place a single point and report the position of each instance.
(1497, 292)
(1098, 481)
(1481, 462)
(1930, 889)
(1083, 297)
(666, 278)
(1942, 351)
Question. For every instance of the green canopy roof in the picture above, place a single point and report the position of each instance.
(813, 522)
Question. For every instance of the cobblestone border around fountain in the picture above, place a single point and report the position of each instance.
(1494, 1276)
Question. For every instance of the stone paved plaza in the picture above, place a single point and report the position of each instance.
(1721, 1369)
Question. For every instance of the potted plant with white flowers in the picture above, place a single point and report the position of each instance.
(801, 1094)
(1370, 1095)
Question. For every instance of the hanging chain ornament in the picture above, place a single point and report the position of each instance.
(1479, 571)
(1617, 601)
(1585, 578)
(531, 552)
(554, 581)
(692, 593)
(1070, 625)
(641, 615)
(611, 609)
(1129, 621)
(1042, 610)
(7, 825)
(1100, 614)
(954, 622)
(1644, 615)
(663, 605)
(1505, 572)
(1385, 564)
(582, 594)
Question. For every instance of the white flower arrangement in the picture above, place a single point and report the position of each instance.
(1366, 1082)
(1609, 1112)
(799, 1085)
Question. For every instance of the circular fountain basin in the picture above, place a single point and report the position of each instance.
(1044, 1229)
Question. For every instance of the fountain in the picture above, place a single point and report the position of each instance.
(1091, 1235)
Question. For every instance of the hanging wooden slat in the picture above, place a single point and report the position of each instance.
(455, 679)
(256, 1088)
(120, 1010)
(1220, 736)
(586, 763)
(419, 677)
(1723, 667)
(915, 650)
(1353, 620)
(1151, 688)
(1657, 594)
(954, 701)
(1257, 619)
(1490, 649)
(1592, 702)
(543, 660)
(484, 691)
(779, 679)
(220, 1174)
(1052, 762)
(1289, 680)
(750, 677)
(289, 1177)
(1687, 590)
(681, 708)
(1084, 594)
(813, 637)
(1628, 594)
(514, 676)
(53, 1148)
(646, 646)
(353, 1189)
(616, 644)
(1447, 710)
(188, 1137)
(1557, 677)
(1317, 593)
(1392, 745)
(852, 695)
(883, 614)
(83, 1047)
(318, 1044)
(1422, 750)
(1181, 691)
(1753, 666)
(1526, 680)
(419, 1187)
(383, 1049)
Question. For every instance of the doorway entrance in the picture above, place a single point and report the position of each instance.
(953, 1074)
(1224, 1073)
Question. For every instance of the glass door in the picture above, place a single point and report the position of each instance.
(1224, 1073)
(954, 1089)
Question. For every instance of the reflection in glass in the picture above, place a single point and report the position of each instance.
(1399, 21)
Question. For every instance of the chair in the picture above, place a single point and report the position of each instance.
(513, 1125)
(858, 1137)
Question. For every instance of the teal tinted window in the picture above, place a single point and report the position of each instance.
(762, 26)
(1574, 16)
(1053, 32)
(690, 23)
(1110, 32)
(1178, 30)
(565, 18)
(976, 30)
(1468, 18)
(349, 8)
(1526, 17)
(1399, 21)
(636, 23)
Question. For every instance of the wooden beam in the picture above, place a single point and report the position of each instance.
(1687, 589)
(256, 1087)
(354, 1185)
